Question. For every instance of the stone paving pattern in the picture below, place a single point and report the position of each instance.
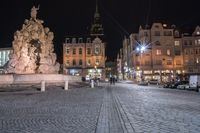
(53, 111)
(119, 108)
(154, 110)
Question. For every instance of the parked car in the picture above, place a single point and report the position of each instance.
(174, 85)
(153, 81)
(183, 86)
(167, 85)
(143, 83)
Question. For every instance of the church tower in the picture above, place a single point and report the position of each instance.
(96, 28)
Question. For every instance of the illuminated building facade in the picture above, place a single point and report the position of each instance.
(85, 56)
(162, 53)
(82, 58)
(4, 56)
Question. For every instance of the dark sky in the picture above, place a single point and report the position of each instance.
(74, 17)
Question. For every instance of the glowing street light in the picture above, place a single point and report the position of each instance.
(143, 48)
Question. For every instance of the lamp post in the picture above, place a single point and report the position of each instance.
(141, 50)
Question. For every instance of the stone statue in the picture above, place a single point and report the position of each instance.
(34, 12)
(33, 50)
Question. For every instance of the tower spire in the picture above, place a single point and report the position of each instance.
(97, 10)
(96, 28)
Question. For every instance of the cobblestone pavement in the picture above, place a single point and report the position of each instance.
(53, 111)
(157, 110)
(120, 108)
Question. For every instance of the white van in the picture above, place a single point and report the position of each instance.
(194, 81)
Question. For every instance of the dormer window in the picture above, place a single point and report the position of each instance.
(80, 40)
(157, 43)
(176, 33)
(67, 40)
(73, 40)
(157, 26)
(88, 40)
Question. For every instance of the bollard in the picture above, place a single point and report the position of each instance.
(43, 86)
(92, 83)
(66, 85)
(97, 82)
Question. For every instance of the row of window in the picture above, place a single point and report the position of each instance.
(176, 52)
(75, 40)
(160, 62)
(190, 42)
(169, 62)
(191, 61)
(80, 51)
(80, 62)
(158, 33)
(191, 51)
(159, 52)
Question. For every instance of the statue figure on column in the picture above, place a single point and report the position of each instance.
(34, 12)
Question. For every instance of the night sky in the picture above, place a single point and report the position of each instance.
(74, 17)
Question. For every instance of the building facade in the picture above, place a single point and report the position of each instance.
(162, 53)
(4, 56)
(85, 56)
(85, 59)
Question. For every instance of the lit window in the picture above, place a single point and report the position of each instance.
(74, 50)
(197, 60)
(198, 41)
(169, 62)
(88, 62)
(158, 52)
(88, 51)
(168, 52)
(80, 51)
(96, 50)
(177, 43)
(67, 50)
(67, 63)
(97, 61)
(198, 33)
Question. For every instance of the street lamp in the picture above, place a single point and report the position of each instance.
(141, 49)
(142, 46)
